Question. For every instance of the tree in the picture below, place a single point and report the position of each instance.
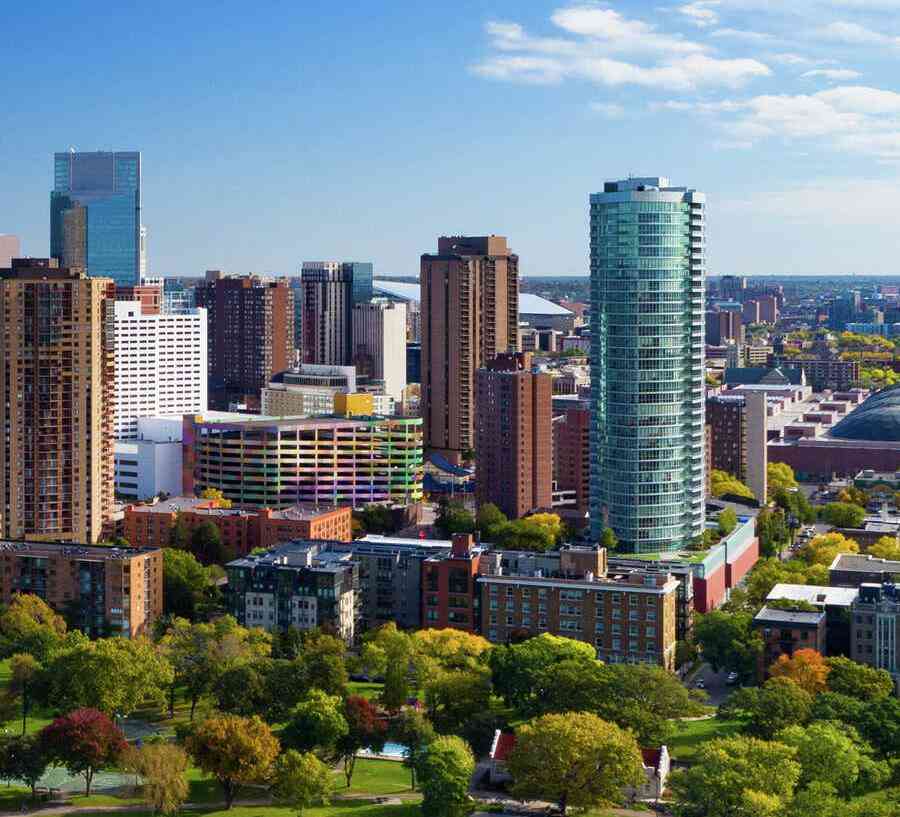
(322, 659)
(25, 759)
(448, 649)
(365, 730)
(163, 769)
(207, 545)
(609, 540)
(854, 495)
(243, 689)
(490, 522)
(185, 582)
(729, 773)
(453, 517)
(217, 495)
(843, 514)
(806, 668)
(180, 534)
(887, 547)
(879, 724)
(728, 641)
(300, 781)
(780, 476)
(24, 677)
(825, 755)
(821, 550)
(775, 705)
(114, 675)
(84, 741)
(412, 729)
(727, 521)
(772, 530)
(316, 724)
(452, 697)
(859, 681)
(376, 519)
(575, 759)
(29, 625)
(722, 483)
(387, 652)
(234, 750)
(531, 533)
(445, 769)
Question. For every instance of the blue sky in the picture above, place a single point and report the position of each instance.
(275, 132)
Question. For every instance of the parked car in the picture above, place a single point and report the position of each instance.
(732, 678)
(701, 684)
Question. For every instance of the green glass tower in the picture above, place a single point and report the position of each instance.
(647, 425)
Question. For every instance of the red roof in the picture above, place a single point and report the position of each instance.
(504, 743)
(651, 757)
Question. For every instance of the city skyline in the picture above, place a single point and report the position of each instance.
(712, 91)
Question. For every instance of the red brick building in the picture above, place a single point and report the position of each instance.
(572, 455)
(513, 442)
(449, 586)
(241, 530)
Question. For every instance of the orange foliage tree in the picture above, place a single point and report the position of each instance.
(806, 668)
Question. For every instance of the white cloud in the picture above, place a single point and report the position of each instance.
(701, 13)
(609, 110)
(855, 34)
(760, 37)
(836, 74)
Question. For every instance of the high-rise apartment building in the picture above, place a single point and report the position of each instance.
(722, 326)
(572, 456)
(161, 363)
(330, 291)
(647, 300)
(739, 441)
(9, 249)
(56, 370)
(250, 333)
(379, 344)
(513, 435)
(95, 214)
(469, 297)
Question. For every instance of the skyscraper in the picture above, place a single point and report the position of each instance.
(95, 215)
(56, 370)
(513, 435)
(470, 300)
(330, 290)
(250, 334)
(647, 300)
(379, 344)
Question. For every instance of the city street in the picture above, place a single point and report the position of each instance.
(715, 684)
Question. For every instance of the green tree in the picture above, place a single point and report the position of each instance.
(452, 698)
(25, 758)
(300, 781)
(24, 679)
(234, 750)
(29, 625)
(453, 517)
(323, 660)
(317, 724)
(821, 550)
(376, 519)
(410, 728)
(365, 730)
(887, 547)
(727, 521)
(775, 705)
(577, 760)
(609, 540)
(780, 476)
(162, 768)
(243, 689)
(185, 583)
(180, 533)
(858, 681)
(388, 652)
(825, 754)
(728, 770)
(772, 530)
(207, 545)
(879, 724)
(444, 770)
(84, 741)
(491, 522)
(843, 514)
(728, 641)
(722, 483)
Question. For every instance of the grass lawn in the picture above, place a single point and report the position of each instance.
(339, 809)
(366, 689)
(378, 777)
(689, 735)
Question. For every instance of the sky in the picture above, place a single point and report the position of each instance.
(277, 132)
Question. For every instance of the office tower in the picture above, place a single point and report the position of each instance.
(513, 435)
(470, 299)
(9, 249)
(330, 291)
(250, 333)
(379, 344)
(307, 389)
(647, 441)
(845, 309)
(768, 309)
(297, 287)
(722, 326)
(177, 298)
(95, 214)
(750, 312)
(161, 364)
(57, 369)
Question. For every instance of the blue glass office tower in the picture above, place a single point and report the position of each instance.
(647, 346)
(95, 214)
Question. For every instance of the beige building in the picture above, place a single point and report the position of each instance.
(469, 297)
(57, 372)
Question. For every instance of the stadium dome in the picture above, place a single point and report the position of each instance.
(877, 419)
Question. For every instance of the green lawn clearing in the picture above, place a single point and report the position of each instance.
(689, 735)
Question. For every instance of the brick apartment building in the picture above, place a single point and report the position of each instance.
(102, 590)
(572, 456)
(513, 427)
(449, 597)
(786, 631)
(241, 530)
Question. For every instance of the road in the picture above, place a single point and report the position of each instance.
(715, 684)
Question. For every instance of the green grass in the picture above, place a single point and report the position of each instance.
(689, 735)
(689, 556)
(337, 809)
(378, 777)
(366, 689)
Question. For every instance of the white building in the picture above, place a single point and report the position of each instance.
(307, 390)
(150, 463)
(379, 344)
(161, 365)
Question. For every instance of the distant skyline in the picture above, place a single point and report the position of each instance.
(363, 132)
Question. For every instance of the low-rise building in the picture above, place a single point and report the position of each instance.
(297, 584)
(835, 601)
(102, 590)
(449, 586)
(854, 569)
(786, 631)
(242, 530)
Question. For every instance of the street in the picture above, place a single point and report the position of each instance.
(715, 684)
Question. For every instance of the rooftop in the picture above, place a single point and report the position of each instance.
(771, 616)
(877, 418)
(297, 555)
(80, 552)
(864, 563)
(814, 594)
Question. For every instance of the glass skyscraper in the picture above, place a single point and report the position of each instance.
(647, 346)
(95, 214)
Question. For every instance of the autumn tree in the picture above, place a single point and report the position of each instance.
(234, 750)
(365, 730)
(300, 781)
(722, 483)
(822, 549)
(780, 476)
(445, 770)
(575, 759)
(162, 768)
(217, 495)
(84, 741)
(806, 668)
(887, 547)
